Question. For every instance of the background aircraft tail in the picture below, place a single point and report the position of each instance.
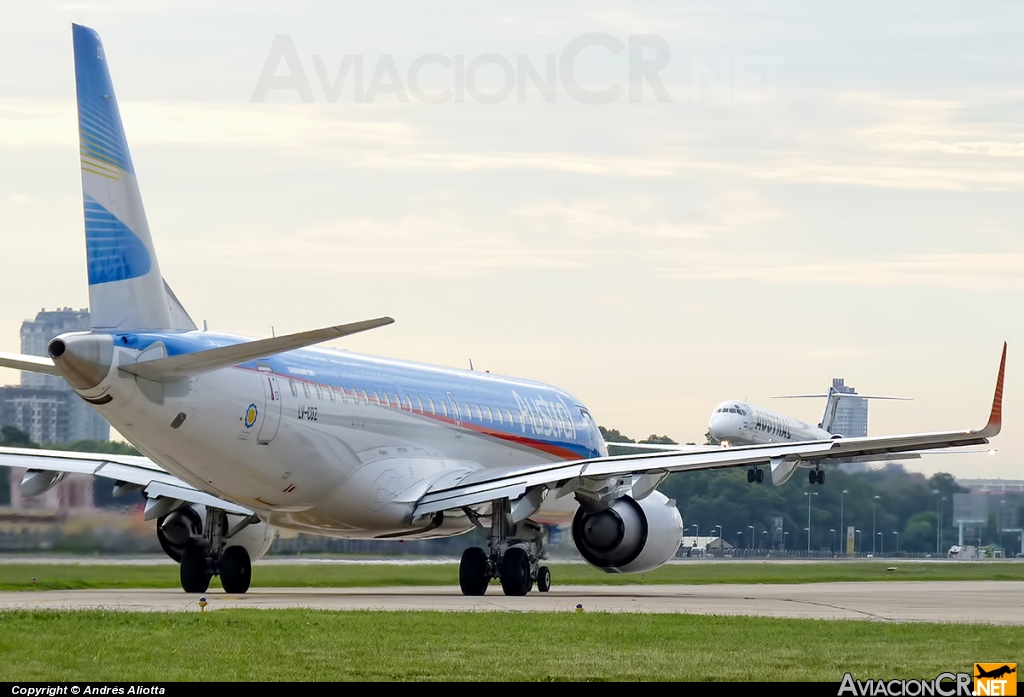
(832, 403)
(126, 290)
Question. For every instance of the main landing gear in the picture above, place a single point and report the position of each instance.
(816, 476)
(755, 474)
(208, 556)
(515, 552)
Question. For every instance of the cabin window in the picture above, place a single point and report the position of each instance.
(397, 401)
(497, 412)
(419, 405)
(366, 399)
(444, 407)
(344, 397)
(330, 392)
(295, 390)
(455, 411)
(477, 414)
(305, 389)
(430, 406)
(319, 392)
(487, 413)
(376, 398)
(508, 415)
(408, 403)
(469, 414)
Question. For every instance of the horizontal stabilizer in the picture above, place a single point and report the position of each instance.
(175, 367)
(33, 364)
(840, 395)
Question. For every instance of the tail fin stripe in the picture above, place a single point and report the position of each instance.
(113, 251)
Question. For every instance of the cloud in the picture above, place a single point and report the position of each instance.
(967, 271)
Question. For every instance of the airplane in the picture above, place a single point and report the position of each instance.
(995, 673)
(737, 422)
(740, 423)
(241, 436)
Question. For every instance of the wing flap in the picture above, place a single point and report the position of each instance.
(150, 477)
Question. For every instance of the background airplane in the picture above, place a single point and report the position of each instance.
(241, 435)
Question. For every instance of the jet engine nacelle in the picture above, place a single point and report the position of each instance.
(629, 536)
(183, 526)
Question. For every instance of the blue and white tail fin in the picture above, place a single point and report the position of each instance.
(126, 289)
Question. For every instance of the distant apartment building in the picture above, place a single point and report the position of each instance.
(43, 405)
(48, 410)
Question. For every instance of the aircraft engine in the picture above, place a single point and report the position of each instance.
(629, 536)
(179, 527)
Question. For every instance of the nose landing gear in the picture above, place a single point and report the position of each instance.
(816, 476)
(755, 474)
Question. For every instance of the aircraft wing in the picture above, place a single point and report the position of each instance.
(160, 487)
(564, 478)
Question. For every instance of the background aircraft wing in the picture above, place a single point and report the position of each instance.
(646, 470)
(128, 472)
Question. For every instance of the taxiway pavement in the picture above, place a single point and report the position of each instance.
(991, 602)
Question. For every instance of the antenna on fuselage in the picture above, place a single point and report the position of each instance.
(471, 364)
(272, 334)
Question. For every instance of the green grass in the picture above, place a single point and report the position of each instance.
(73, 576)
(265, 645)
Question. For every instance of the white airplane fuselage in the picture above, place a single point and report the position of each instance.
(329, 441)
(739, 423)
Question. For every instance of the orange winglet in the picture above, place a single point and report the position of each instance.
(995, 419)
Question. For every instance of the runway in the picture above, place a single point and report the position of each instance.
(990, 602)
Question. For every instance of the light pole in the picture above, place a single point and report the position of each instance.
(719, 531)
(856, 541)
(874, 510)
(809, 494)
(938, 525)
(833, 531)
(751, 536)
(842, 529)
(897, 541)
(738, 533)
(696, 532)
(881, 544)
(784, 534)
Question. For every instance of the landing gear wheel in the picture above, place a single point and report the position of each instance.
(760, 476)
(812, 477)
(515, 572)
(195, 578)
(473, 577)
(235, 570)
(751, 476)
(543, 579)
(821, 476)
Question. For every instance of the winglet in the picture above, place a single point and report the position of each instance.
(995, 419)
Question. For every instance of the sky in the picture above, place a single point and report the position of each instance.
(655, 206)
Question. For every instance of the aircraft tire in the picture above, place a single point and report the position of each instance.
(193, 572)
(515, 572)
(543, 579)
(760, 476)
(750, 476)
(473, 577)
(821, 476)
(812, 477)
(235, 570)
